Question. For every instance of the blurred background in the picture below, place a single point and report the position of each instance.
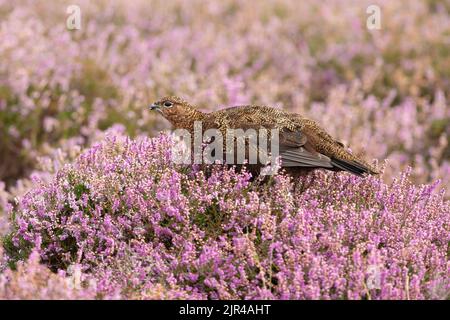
(384, 92)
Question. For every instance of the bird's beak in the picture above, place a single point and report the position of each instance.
(154, 107)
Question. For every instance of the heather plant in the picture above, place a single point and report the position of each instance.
(92, 207)
(33, 280)
(144, 227)
(384, 92)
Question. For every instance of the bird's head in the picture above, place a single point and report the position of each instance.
(178, 111)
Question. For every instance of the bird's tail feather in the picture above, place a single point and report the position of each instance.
(352, 166)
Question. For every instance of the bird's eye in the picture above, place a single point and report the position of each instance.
(168, 104)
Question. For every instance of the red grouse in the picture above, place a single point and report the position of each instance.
(303, 144)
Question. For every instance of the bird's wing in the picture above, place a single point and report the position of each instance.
(295, 151)
(302, 142)
(311, 125)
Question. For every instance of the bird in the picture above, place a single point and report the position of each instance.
(303, 144)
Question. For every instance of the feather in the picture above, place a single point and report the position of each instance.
(303, 144)
(302, 158)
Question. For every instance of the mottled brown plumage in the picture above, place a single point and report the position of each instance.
(304, 145)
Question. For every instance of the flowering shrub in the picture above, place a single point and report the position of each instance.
(384, 91)
(137, 224)
(34, 281)
(116, 219)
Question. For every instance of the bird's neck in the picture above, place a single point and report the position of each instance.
(186, 121)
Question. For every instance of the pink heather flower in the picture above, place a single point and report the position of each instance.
(139, 227)
(131, 220)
